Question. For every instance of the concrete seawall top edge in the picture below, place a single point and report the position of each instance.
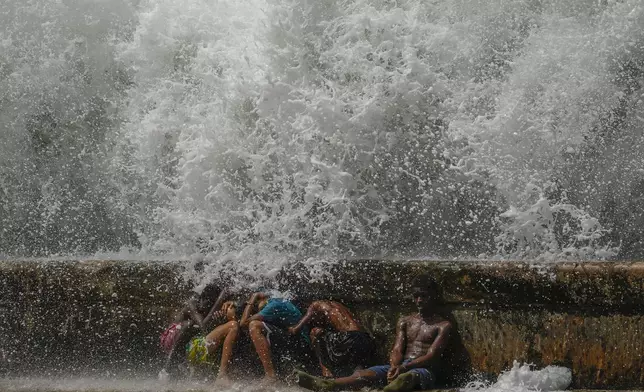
(616, 287)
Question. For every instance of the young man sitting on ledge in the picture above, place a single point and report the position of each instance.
(420, 341)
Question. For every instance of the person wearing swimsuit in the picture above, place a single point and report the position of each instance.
(340, 343)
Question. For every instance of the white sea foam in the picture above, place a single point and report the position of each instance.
(521, 378)
(121, 385)
(524, 377)
(274, 130)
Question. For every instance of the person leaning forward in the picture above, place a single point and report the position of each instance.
(200, 314)
(268, 331)
(420, 340)
(339, 341)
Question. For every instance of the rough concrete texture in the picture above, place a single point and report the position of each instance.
(104, 317)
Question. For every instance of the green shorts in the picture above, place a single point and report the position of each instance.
(197, 353)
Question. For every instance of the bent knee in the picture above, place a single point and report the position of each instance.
(232, 325)
(256, 326)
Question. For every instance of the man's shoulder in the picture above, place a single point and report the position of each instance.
(325, 304)
(439, 321)
(444, 324)
(407, 318)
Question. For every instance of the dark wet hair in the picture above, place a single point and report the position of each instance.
(209, 295)
(427, 283)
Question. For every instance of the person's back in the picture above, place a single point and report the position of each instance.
(334, 315)
(339, 341)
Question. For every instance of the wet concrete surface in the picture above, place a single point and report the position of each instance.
(90, 317)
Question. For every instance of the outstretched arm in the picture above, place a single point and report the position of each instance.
(214, 311)
(193, 312)
(397, 353)
(396, 356)
(434, 350)
(310, 313)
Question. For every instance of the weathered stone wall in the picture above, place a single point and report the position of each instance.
(105, 316)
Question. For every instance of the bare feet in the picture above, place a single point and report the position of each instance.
(164, 376)
(404, 382)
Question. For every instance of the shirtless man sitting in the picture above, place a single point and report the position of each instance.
(420, 341)
(340, 343)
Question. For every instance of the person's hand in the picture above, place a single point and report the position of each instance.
(393, 373)
(226, 306)
(292, 330)
(219, 317)
(253, 298)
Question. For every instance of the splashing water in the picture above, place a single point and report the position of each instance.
(522, 377)
(121, 385)
(282, 129)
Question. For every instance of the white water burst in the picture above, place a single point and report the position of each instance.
(280, 129)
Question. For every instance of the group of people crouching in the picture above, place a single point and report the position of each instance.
(328, 338)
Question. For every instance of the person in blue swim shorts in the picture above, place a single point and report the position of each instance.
(420, 341)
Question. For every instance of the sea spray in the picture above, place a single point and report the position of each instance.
(249, 134)
(524, 377)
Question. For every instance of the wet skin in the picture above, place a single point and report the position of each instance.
(328, 315)
(193, 322)
(420, 338)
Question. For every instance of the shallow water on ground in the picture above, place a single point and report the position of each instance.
(126, 385)
(520, 378)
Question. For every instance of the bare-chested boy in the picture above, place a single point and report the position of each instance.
(420, 340)
(339, 341)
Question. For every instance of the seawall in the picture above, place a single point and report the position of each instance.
(104, 317)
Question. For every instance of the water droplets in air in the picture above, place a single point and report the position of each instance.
(288, 129)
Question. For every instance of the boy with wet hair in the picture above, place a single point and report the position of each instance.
(339, 341)
(420, 340)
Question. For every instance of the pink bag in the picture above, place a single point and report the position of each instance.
(169, 336)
